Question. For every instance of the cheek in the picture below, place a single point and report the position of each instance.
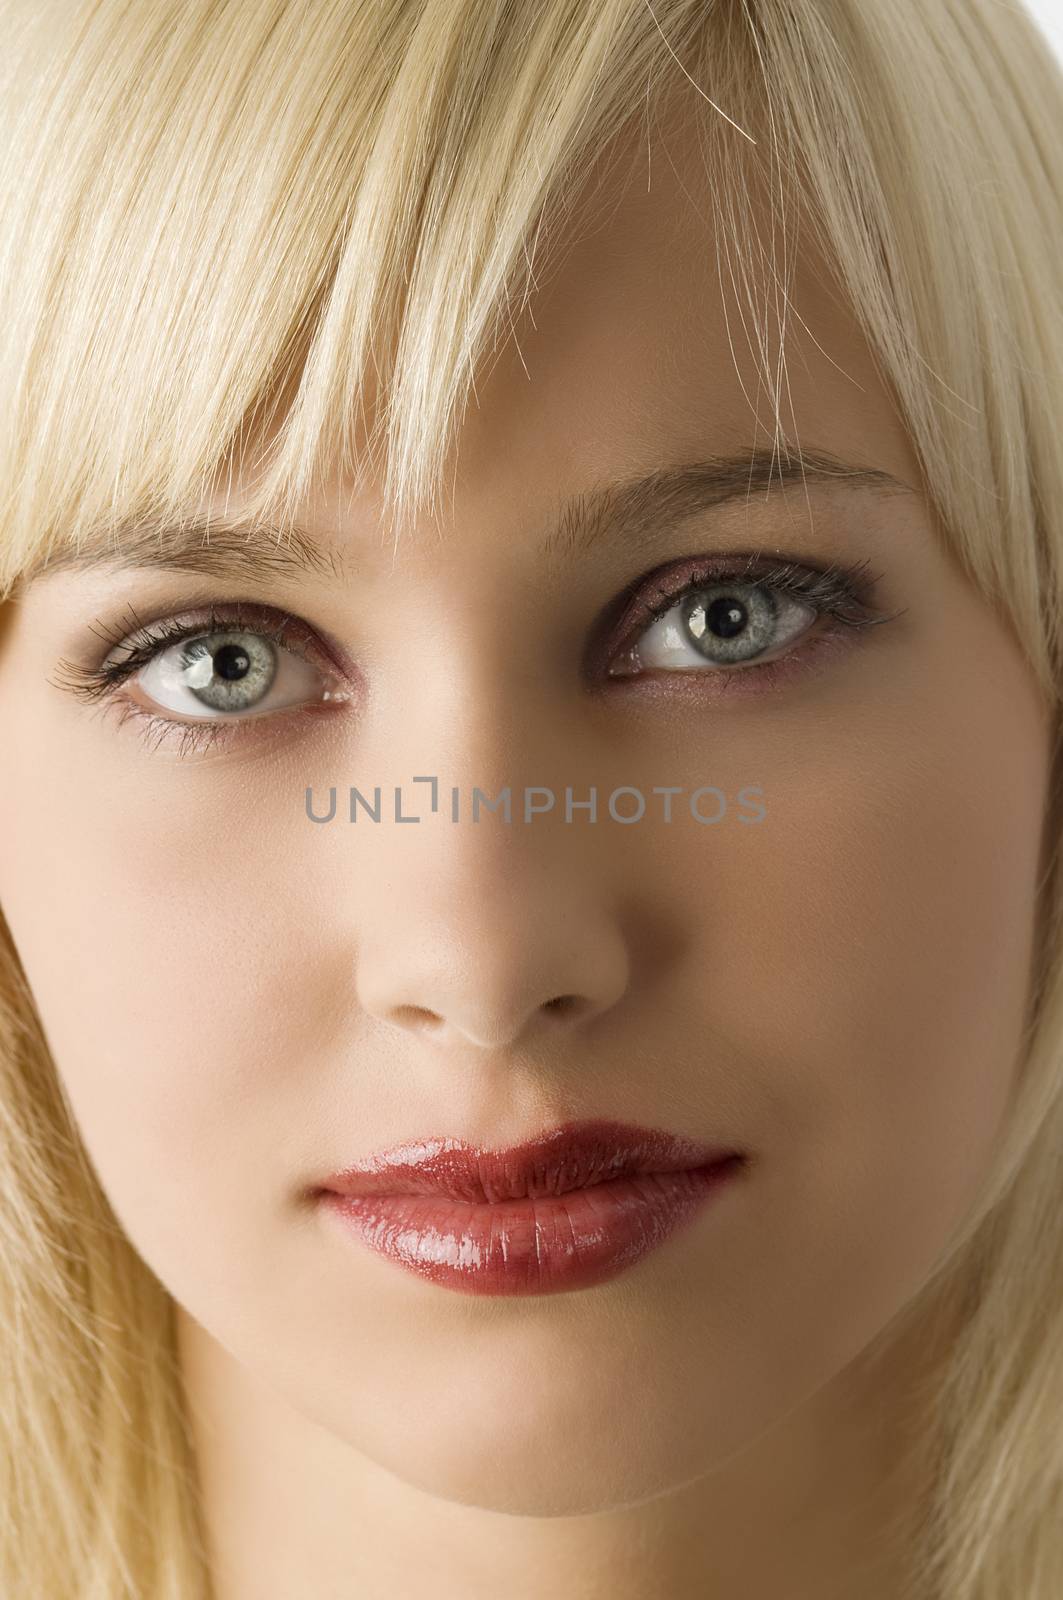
(869, 952)
(892, 945)
(161, 935)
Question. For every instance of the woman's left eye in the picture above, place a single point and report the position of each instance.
(706, 620)
(720, 625)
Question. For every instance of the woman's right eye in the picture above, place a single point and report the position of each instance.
(195, 679)
(227, 673)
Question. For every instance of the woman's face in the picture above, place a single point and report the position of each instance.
(240, 1000)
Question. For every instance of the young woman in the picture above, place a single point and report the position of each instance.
(531, 1012)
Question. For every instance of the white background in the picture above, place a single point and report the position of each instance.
(1049, 16)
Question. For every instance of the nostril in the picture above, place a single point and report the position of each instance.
(419, 1015)
(562, 1004)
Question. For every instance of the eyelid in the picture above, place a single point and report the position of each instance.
(250, 616)
(100, 680)
(846, 589)
(151, 637)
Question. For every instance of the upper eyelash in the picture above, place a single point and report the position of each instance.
(840, 590)
(97, 682)
(843, 591)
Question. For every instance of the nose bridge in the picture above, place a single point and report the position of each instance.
(485, 916)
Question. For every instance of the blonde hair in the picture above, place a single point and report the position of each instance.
(218, 217)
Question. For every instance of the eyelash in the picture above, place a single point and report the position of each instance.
(98, 684)
(843, 592)
(828, 589)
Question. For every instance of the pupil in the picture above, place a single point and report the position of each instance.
(726, 617)
(231, 661)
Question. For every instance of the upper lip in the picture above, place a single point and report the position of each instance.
(574, 1155)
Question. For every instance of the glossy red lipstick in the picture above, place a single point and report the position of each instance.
(561, 1211)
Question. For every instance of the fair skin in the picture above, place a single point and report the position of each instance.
(239, 1002)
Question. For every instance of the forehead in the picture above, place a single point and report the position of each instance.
(644, 345)
(648, 338)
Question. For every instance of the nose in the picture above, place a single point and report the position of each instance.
(500, 941)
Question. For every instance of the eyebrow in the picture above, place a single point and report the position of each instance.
(631, 511)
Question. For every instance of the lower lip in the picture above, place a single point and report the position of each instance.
(542, 1246)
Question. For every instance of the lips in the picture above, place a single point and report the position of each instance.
(563, 1210)
(577, 1155)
